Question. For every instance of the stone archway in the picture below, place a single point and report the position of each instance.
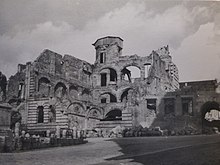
(44, 87)
(94, 115)
(210, 115)
(76, 115)
(114, 114)
(60, 90)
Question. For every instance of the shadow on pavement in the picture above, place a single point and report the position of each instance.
(170, 151)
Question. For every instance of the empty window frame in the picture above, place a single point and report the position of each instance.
(187, 104)
(103, 100)
(103, 79)
(102, 57)
(152, 104)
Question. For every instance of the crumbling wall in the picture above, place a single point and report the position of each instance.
(68, 80)
(16, 87)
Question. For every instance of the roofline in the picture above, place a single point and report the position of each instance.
(107, 37)
(194, 81)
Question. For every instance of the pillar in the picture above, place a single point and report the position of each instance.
(142, 73)
(57, 131)
(17, 128)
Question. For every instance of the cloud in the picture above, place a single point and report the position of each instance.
(197, 57)
(142, 28)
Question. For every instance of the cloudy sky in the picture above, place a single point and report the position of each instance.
(191, 29)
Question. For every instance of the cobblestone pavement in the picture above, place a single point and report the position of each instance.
(124, 151)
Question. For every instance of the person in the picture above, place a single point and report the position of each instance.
(3, 84)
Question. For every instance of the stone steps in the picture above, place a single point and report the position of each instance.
(113, 124)
(45, 126)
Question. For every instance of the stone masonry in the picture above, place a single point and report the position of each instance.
(64, 91)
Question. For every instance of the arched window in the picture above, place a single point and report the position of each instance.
(126, 95)
(74, 92)
(113, 75)
(44, 87)
(40, 116)
(130, 73)
(60, 90)
(86, 94)
(108, 97)
(115, 114)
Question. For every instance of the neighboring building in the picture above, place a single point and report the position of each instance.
(65, 91)
(195, 105)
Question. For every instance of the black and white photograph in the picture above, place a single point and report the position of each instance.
(109, 82)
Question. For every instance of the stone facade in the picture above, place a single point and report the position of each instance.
(188, 106)
(64, 91)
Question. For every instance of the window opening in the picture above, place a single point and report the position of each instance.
(103, 100)
(103, 79)
(40, 114)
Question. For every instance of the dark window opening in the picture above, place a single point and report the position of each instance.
(169, 106)
(124, 96)
(103, 100)
(40, 118)
(102, 57)
(113, 99)
(113, 75)
(103, 79)
(152, 104)
(113, 115)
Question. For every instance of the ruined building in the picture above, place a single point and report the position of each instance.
(64, 91)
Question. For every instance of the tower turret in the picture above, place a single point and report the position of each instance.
(107, 49)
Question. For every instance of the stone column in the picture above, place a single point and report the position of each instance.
(161, 107)
(74, 133)
(23, 133)
(142, 73)
(64, 133)
(48, 133)
(57, 131)
(118, 78)
(86, 123)
(17, 128)
(107, 78)
(78, 134)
